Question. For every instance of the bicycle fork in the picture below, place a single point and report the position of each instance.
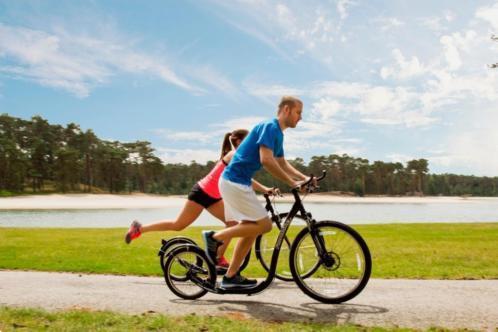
(327, 258)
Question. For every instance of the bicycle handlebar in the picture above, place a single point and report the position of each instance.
(306, 184)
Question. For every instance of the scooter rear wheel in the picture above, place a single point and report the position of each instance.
(168, 245)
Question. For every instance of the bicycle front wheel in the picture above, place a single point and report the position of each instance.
(341, 272)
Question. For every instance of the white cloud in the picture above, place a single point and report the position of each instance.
(342, 7)
(262, 36)
(388, 23)
(451, 53)
(185, 156)
(438, 24)
(455, 43)
(334, 89)
(272, 93)
(380, 105)
(76, 63)
(325, 109)
(473, 145)
(449, 16)
(291, 28)
(404, 69)
(391, 106)
(296, 27)
(212, 77)
(490, 15)
(241, 123)
(433, 23)
(184, 136)
(399, 157)
(310, 135)
(212, 136)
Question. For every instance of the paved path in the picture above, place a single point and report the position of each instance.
(404, 303)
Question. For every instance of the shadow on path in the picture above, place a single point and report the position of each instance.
(306, 312)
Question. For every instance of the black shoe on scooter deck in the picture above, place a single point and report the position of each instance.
(237, 282)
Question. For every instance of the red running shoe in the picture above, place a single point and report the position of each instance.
(134, 231)
(222, 262)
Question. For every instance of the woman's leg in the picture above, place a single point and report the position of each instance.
(189, 214)
(218, 211)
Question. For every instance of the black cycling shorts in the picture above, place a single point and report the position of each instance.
(200, 197)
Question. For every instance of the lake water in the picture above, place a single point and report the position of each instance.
(350, 213)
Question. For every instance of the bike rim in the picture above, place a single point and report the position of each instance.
(331, 280)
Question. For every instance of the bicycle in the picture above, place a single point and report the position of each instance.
(329, 261)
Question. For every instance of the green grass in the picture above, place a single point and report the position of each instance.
(422, 251)
(79, 320)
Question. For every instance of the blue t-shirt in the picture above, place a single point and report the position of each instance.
(246, 160)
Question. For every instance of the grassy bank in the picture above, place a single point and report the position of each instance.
(426, 251)
(80, 320)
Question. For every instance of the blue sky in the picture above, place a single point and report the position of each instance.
(383, 80)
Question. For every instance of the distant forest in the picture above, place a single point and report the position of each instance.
(37, 157)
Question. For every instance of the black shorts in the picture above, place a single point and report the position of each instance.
(200, 197)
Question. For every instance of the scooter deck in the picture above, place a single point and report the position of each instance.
(218, 289)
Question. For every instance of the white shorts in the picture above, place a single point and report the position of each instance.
(240, 201)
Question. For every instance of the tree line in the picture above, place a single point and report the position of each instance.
(36, 156)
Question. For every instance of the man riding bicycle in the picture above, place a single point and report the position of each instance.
(262, 147)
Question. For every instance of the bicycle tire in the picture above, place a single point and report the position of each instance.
(170, 244)
(336, 230)
(260, 250)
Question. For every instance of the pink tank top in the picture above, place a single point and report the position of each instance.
(210, 182)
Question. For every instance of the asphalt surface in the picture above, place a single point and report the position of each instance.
(471, 304)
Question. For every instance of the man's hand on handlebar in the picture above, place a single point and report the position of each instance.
(310, 184)
(273, 191)
(305, 185)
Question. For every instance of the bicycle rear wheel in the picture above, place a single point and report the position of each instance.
(341, 273)
(265, 245)
(191, 263)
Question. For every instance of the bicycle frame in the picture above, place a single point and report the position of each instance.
(297, 207)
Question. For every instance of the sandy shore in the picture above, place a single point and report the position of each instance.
(137, 201)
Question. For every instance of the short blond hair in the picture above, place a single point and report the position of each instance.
(289, 101)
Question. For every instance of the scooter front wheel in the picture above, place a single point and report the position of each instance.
(191, 263)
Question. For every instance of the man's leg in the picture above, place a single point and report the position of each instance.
(244, 229)
(249, 229)
(241, 250)
(245, 242)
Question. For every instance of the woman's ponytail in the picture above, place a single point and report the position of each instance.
(226, 146)
(232, 140)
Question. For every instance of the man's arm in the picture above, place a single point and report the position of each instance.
(271, 165)
(289, 169)
(257, 186)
